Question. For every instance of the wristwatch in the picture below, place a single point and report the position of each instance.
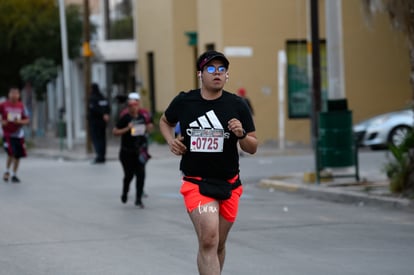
(243, 136)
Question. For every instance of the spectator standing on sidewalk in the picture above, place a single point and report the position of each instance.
(213, 121)
(13, 117)
(133, 127)
(98, 117)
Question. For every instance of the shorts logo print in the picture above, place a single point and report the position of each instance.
(206, 208)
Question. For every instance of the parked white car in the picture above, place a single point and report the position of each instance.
(381, 130)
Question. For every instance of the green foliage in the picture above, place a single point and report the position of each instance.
(400, 169)
(30, 29)
(74, 30)
(122, 28)
(39, 74)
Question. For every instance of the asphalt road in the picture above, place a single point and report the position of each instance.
(67, 218)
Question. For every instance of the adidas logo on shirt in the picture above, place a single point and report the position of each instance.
(208, 121)
(207, 134)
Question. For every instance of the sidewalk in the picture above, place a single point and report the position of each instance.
(374, 191)
(52, 147)
(56, 149)
(366, 193)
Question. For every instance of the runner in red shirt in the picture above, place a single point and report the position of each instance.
(13, 117)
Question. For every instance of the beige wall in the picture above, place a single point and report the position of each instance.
(161, 27)
(376, 59)
(155, 36)
(210, 23)
(184, 55)
(376, 64)
(264, 26)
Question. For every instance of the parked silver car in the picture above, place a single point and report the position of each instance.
(381, 130)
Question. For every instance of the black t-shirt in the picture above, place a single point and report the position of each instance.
(211, 146)
(132, 142)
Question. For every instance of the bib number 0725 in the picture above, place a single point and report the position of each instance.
(206, 144)
(206, 140)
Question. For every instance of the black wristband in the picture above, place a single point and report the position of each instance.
(243, 136)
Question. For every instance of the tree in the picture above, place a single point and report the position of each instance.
(39, 74)
(122, 26)
(29, 29)
(401, 13)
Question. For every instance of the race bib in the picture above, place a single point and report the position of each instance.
(11, 116)
(138, 130)
(206, 140)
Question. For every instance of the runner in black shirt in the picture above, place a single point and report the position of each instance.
(212, 122)
(133, 128)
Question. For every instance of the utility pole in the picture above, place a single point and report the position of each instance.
(66, 74)
(87, 53)
(316, 80)
(336, 79)
(316, 63)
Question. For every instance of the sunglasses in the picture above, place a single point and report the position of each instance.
(212, 69)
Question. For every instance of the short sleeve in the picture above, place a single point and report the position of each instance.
(172, 111)
(122, 122)
(246, 117)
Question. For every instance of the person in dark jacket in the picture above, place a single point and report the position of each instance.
(98, 117)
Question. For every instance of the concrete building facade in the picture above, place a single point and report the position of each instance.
(251, 33)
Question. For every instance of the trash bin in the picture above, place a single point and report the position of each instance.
(61, 129)
(336, 144)
(61, 124)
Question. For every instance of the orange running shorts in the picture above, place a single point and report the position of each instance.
(227, 208)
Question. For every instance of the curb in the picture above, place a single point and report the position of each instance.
(339, 195)
(79, 154)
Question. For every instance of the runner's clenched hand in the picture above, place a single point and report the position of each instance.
(236, 127)
(177, 146)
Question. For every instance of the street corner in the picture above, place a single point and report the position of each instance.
(362, 193)
(279, 183)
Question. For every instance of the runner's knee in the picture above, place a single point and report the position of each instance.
(209, 241)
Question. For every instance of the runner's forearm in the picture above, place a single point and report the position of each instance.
(166, 129)
(249, 143)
